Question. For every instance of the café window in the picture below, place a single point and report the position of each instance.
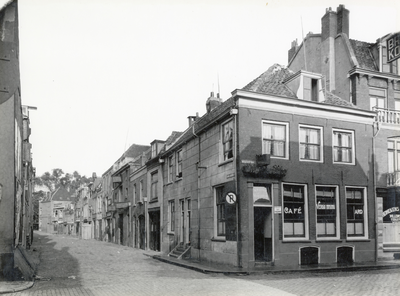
(295, 221)
(227, 140)
(327, 212)
(275, 139)
(356, 213)
(310, 143)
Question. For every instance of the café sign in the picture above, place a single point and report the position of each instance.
(393, 47)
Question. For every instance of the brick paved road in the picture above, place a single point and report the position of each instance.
(89, 267)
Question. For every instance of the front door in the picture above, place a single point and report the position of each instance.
(142, 232)
(263, 234)
(154, 230)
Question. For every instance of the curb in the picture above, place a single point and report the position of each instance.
(13, 287)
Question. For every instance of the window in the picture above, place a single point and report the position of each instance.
(356, 213)
(343, 147)
(179, 164)
(170, 168)
(393, 161)
(295, 223)
(220, 212)
(275, 139)
(377, 98)
(227, 140)
(171, 216)
(310, 139)
(153, 150)
(397, 101)
(141, 190)
(134, 193)
(327, 212)
(154, 185)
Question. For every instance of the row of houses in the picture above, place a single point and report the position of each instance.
(300, 166)
(16, 169)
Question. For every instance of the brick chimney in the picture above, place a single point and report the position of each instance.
(292, 50)
(343, 20)
(213, 102)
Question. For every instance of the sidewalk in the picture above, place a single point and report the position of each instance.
(207, 267)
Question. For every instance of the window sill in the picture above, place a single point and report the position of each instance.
(328, 240)
(225, 162)
(296, 240)
(361, 239)
(170, 233)
(219, 239)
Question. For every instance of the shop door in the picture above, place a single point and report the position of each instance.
(142, 232)
(263, 234)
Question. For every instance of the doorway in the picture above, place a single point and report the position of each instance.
(142, 232)
(263, 234)
(154, 230)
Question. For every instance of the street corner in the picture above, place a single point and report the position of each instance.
(17, 286)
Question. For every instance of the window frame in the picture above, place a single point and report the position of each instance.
(171, 216)
(171, 168)
(353, 146)
(154, 185)
(179, 160)
(321, 142)
(337, 214)
(305, 237)
(223, 142)
(219, 204)
(373, 94)
(365, 214)
(286, 141)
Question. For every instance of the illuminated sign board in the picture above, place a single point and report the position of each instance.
(393, 47)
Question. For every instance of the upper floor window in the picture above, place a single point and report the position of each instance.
(179, 164)
(377, 98)
(170, 168)
(356, 213)
(171, 216)
(295, 219)
(343, 147)
(153, 150)
(275, 139)
(141, 190)
(227, 140)
(154, 185)
(134, 193)
(327, 212)
(310, 139)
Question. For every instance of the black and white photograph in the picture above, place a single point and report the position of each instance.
(209, 148)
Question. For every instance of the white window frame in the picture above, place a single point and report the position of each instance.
(337, 220)
(365, 213)
(306, 218)
(286, 125)
(154, 185)
(216, 236)
(170, 169)
(353, 146)
(222, 141)
(321, 143)
(171, 218)
(377, 97)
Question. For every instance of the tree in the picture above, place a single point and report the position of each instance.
(57, 178)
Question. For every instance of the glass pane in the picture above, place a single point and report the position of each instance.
(390, 144)
(299, 228)
(288, 229)
(359, 228)
(320, 228)
(350, 228)
(330, 228)
(314, 136)
(390, 161)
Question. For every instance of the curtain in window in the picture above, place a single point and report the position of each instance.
(342, 147)
(309, 143)
(274, 139)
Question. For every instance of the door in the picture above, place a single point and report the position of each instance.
(183, 226)
(142, 232)
(154, 230)
(263, 234)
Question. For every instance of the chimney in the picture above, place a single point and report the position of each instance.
(329, 24)
(213, 102)
(292, 50)
(94, 176)
(191, 120)
(343, 20)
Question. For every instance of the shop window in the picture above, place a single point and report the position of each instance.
(227, 140)
(310, 143)
(295, 220)
(356, 213)
(327, 212)
(275, 139)
(343, 147)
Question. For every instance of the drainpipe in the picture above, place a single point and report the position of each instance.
(198, 191)
(374, 186)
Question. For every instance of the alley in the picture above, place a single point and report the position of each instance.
(72, 266)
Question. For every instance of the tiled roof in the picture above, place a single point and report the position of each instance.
(270, 82)
(362, 51)
(202, 122)
(332, 99)
(135, 150)
(62, 194)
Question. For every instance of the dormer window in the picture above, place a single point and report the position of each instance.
(307, 86)
(153, 150)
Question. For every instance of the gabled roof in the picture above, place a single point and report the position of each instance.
(363, 54)
(63, 194)
(270, 82)
(135, 150)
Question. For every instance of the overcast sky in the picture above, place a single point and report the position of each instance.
(105, 74)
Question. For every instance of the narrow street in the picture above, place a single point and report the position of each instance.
(71, 266)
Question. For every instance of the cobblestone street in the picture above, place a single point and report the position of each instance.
(70, 266)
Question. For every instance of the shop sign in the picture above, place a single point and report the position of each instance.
(389, 211)
(278, 210)
(325, 206)
(395, 217)
(393, 47)
(293, 211)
